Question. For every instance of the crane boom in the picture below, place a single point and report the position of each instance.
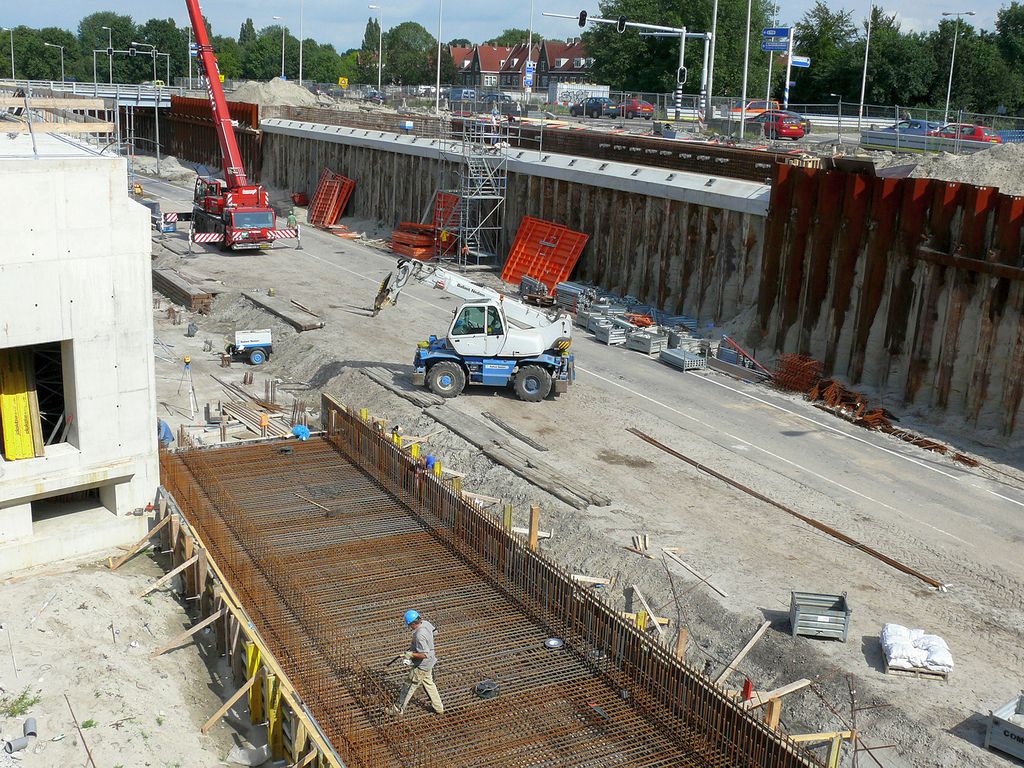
(458, 285)
(234, 171)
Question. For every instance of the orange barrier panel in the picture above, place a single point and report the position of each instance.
(544, 251)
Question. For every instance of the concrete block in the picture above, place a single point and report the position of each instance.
(15, 522)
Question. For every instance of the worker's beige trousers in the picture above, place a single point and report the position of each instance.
(416, 678)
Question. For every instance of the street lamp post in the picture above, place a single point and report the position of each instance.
(156, 99)
(54, 45)
(282, 47)
(952, 59)
(300, 42)
(380, 43)
(864, 74)
(11, 30)
(110, 53)
(437, 83)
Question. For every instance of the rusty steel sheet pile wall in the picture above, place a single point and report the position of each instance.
(326, 590)
(683, 257)
(912, 286)
(193, 137)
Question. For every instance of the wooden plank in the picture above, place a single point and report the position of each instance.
(682, 638)
(808, 738)
(659, 620)
(66, 128)
(309, 758)
(671, 555)
(33, 403)
(534, 526)
(134, 549)
(228, 705)
(277, 306)
(314, 503)
(773, 713)
(168, 576)
(35, 102)
(743, 653)
(581, 579)
(760, 698)
(187, 634)
(526, 532)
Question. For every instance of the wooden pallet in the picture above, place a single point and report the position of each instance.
(916, 672)
(178, 289)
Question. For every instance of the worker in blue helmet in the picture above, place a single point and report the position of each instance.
(420, 658)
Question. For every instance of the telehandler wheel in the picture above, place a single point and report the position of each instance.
(446, 379)
(532, 384)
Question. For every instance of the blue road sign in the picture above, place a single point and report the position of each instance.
(800, 61)
(530, 67)
(775, 44)
(775, 32)
(528, 80)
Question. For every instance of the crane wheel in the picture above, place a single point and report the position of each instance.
(446, 379)
(532, 383)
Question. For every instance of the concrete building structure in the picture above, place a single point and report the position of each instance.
(75, 303)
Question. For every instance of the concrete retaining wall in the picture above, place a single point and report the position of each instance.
(669, 239)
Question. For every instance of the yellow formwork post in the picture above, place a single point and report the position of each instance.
(438, 471)
(253, 668)
(835, 751)
(414, 450)
(457, 484)
(507, 518)
(364, 414)
(641, 620)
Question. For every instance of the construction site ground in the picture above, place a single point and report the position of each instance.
(82, 631)
(959, 525)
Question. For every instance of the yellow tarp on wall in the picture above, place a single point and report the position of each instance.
(15, 407)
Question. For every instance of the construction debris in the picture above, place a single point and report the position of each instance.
(799, 373)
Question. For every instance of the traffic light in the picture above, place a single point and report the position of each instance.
(583, 18)
(132, 51)
(620, 25)
(681, 76)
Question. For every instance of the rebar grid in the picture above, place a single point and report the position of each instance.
(327, 590)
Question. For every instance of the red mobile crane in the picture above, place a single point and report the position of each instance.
(231, 211)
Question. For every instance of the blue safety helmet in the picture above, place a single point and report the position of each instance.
(411, 616)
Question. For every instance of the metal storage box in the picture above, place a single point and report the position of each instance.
(816, 615)
(1006, 728)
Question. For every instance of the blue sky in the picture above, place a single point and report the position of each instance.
(342, 23)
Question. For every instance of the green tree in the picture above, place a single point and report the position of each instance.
(827, 36)
(368, 53)
(461, 42)
(247, 34)
(230, 56)
(92, 36)
(321, 63)
(900, 67)
(629, 62)
(168, 38)
(515, 36)
(409, 54)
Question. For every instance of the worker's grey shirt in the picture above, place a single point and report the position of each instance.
(423, 642)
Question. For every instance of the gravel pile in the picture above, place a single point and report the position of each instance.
(276, 93)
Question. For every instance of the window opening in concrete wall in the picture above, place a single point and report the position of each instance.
(35, 382)
(53, 507)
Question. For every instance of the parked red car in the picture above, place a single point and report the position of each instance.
(967, 132)
(630, 108)
(779, 125)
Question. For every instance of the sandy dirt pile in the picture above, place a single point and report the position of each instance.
(276, 93)
(1000, 166)
(171, 169)
(79, 629)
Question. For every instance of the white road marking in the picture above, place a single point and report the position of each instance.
(773, 455)
(830, 428)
